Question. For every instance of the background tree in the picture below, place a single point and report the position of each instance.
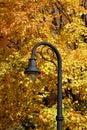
(22, 24)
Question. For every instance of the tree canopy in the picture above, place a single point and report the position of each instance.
(23, 23)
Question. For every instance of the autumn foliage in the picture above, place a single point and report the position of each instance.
(32, 104)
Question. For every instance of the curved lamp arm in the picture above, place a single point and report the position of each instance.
(32, 68)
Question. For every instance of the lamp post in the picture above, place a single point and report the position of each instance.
(33, 70)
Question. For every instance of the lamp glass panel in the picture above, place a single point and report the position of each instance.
(33, 75)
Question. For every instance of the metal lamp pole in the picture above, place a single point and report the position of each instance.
(32, 69)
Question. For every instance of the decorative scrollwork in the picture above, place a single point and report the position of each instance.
(47, 51)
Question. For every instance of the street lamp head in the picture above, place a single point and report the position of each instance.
(32, 69)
